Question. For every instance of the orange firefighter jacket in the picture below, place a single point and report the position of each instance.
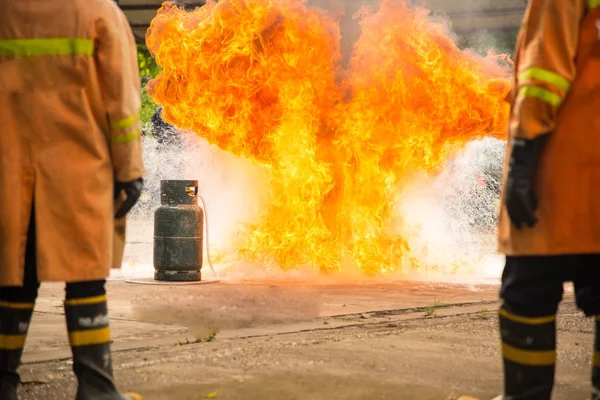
(557, 91)
(69, 127)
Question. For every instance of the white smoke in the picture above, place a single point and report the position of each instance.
(452, 220)
(234, 190)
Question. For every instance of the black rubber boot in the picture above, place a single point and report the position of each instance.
(89, 334)
(596, 363)
(14, 323)
(529, 352)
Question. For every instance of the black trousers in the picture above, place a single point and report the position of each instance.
(533, 286)
(29, 291)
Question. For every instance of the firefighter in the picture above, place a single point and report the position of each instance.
(549, 225)
(70, 170)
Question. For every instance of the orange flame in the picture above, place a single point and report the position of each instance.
(261, 79)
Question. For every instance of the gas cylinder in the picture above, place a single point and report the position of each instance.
(178, 232)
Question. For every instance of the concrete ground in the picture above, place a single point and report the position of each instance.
(299, 340)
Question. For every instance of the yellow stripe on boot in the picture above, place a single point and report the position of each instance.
(526, 320)
(89, 337)
(133, 396)
(86, 301)
(12, 342)
(17, 306)
(596, 359)
(528, 357)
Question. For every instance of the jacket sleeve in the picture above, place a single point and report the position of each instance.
(545, 66)
(116, 58)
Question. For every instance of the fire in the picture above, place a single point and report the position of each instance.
(262, 79)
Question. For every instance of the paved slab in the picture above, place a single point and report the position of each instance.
(149, 315)
(299, 340)
(419, 354)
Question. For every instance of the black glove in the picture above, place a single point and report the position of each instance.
(133, 191)
(521, 201)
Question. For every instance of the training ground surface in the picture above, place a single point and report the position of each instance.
(295, 340)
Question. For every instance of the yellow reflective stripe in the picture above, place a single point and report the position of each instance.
(527, 320)
(546, 76)
(125, 122)
(593, 3)
(89, 337)
(46, 47)
(540, 93)
(17, 306)
(127, 138)
(12, 342)
(596, 359)
(86, 300)
(528, 357)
